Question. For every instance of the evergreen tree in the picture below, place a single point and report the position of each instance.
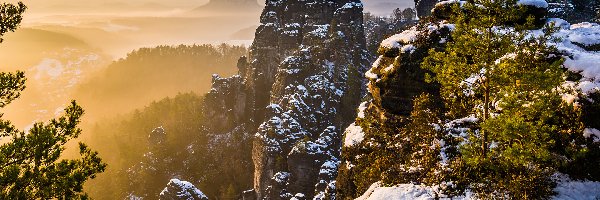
(409, 14)
(30, 165)
(10, 17)
(493, 70)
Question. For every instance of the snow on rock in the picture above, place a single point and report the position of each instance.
(178, 189)
(450, 2)
(573, 41)
(568, 189)
(352, 5)
(585, 33)
(536, 3)
(559, 23)
(397, 41)
(281, 177)
(298, 196)
(354, 135)
(362, 108)
(402, 191)
(592, 133)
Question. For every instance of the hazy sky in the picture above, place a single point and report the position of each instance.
(43, 7)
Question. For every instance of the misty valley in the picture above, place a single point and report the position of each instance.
(300, 99)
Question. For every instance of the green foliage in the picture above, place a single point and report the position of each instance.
(151, 74)
(419, 145)
(378, 28)
(400, 150)
(10, 17)
(128, 145)
(229, 193)
(477, 44)
(11, 85)
(30, 161)
(503, 76)
(580, 152)
(31, 168)
(188, 152)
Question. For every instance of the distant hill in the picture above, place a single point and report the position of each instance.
(53, 62)
(150, 74)
(28, 46)
(244, 34)
(228, 7)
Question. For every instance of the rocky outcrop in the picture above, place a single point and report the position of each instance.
(575, 11)
(298, 89)
(179, 190)
(396, 78)
(310, 96)
(227, 103)
(424, 7)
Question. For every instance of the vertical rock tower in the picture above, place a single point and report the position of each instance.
(295, 93)
(424, 7)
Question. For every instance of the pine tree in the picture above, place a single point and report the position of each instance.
(467, 70)
(30, 165)
(493, 70)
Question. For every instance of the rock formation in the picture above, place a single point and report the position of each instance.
(397, 77)
(297, 90)
(177, 189)
(424, 7)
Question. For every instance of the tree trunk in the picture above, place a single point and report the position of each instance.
(486, 111)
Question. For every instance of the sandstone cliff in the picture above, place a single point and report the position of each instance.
(296, 92)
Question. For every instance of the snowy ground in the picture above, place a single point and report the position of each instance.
(566, 189)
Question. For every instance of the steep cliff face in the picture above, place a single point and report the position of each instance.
(297, 90)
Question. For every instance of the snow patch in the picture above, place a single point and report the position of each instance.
(402, 191)
(568, 189)
(187, 189)
(592, 132)
(397, 40)
(535, 3)
(362, 108)
(586, 33)
(354, 135)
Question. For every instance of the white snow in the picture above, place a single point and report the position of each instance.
(371, 75)
(568, 189)
(585, 33)
(186, 187)
(408, 48)
(559, 23)
(362, 108)
(354, 135)
(577, 59)
(450, 2)
(536, 3)
(402, 191)
(388, 68)
(352, 5)
(281, 177)
(298, 196)
(592, 132)
(397, 40)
